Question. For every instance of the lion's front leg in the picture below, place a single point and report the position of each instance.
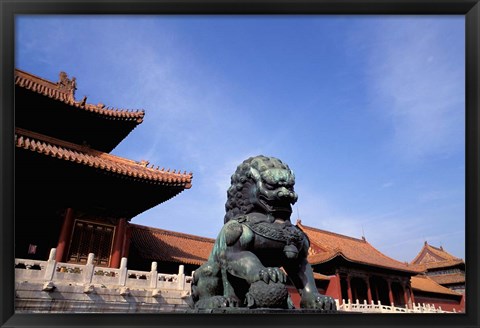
(247, 266)
(301, 274)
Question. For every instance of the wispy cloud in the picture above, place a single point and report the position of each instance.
(387, 185)
(418, 84)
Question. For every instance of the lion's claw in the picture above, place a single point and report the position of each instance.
(218, 302)
(320, 302)
(271, 274)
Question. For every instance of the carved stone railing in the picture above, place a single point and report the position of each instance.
(51, 272)
(381, 308)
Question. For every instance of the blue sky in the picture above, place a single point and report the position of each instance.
(367, 110)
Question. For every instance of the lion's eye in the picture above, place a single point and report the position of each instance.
(269, 186)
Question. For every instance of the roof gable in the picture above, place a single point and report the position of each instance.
(435, 257)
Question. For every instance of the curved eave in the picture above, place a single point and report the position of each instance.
(314, 261)
(109, 163)
(48, 89)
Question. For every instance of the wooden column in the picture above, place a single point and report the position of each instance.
(369, 291)
(65, 236)
(349, 288)
(405, 295)
(411, 294)
(376, 291)
(339, 287)
(126, 242)
(118, 243)
(390, 293)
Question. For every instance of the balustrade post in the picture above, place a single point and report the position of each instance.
(51, 264)
(122, 276)
(181, 277)
(154, 275)
(89, 269)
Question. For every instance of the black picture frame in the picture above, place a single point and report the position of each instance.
(10, 8)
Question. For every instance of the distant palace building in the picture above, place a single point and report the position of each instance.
(67, 180)
(442, 267)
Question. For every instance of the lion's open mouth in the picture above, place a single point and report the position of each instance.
(275, 205)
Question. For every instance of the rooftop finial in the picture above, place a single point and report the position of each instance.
(67, 85)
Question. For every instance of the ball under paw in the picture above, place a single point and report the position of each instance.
(271, 295)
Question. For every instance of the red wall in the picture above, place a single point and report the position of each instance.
(446, 305)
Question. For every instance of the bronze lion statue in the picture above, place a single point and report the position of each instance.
(258, 248)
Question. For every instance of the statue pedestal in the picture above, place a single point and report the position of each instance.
(240, 310)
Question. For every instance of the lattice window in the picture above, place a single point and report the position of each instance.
(91, 237)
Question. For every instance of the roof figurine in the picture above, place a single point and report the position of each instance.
(67, 85)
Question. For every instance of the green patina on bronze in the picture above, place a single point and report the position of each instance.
(258, 239)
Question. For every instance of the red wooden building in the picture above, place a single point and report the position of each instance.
(66, 180)
(357, 270)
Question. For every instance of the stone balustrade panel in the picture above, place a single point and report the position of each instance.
(381, 308)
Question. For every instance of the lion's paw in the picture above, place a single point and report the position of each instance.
(319, 302)
(217, 302)
(271, 274)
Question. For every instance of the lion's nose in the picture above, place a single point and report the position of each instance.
(284, 192)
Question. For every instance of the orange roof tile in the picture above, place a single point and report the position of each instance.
(169, 246)
(425, 284)
(433, 257)
(60, 149)
(352, 249)
(55, 91)
(445, 279)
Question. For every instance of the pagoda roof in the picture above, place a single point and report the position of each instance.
(92, 177)
(426, 284)
(169, 246)
(326, 246)
(51, 108)
(447, 279)
(431, 257)
(54, 90)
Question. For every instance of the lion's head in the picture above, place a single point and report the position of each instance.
(262, 184)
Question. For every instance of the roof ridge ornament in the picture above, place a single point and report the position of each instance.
(67, 85)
